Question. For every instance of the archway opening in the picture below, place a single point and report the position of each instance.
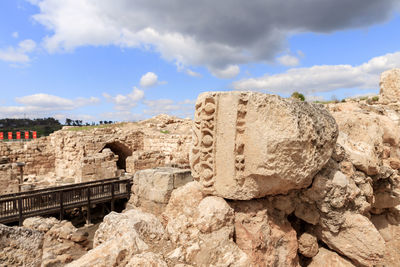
(121, 150)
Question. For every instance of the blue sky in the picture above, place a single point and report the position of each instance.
(128, 60)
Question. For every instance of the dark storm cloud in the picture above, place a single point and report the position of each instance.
(221, 32)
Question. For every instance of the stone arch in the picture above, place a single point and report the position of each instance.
(120, 149)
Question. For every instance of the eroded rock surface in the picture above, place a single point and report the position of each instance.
(248, 145)
(264, 235)
(357, 239)
(62, 242)
(201, 228)
(20, 246)
(390, 85)
(120, 237)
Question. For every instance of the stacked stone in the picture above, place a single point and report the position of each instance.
(9, 178)
(258, 159)
(274, 186)
(37, 155)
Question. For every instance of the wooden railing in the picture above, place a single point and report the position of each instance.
(17, 206)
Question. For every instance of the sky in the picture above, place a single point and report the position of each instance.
(127, 60)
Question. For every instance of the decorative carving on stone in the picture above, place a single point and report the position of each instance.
(239, 140)
(248, 145)
(203, 163)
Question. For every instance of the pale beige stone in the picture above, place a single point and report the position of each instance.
(361, 136)
(121, 224)
(147, 259)
(391, 233)
(357, 239)
(62, 242)
(329, 258)
(201, 229)
(390, 85)
(248, 145)
(20, 246)
(308, 245)
(121, 236)
(152, 188)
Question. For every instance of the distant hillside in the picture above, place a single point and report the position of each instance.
(43, 127)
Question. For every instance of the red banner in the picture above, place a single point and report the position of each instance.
(34, 135)
(26, 135)
(1, 136)
(18, 135)
(9, 135)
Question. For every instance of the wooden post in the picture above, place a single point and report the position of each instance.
(20, 211)
(112, 196)
(88, 219)
(61, 206)
(129, 188)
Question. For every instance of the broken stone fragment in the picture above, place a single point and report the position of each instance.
(249, 145)
(357, 239)
(308, 245)
(390, 85)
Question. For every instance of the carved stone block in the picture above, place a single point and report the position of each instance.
(248, 145)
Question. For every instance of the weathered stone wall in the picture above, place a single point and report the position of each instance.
(161, 141)
(76, 156)
(38, 155)
(9, 178)
(99, 165)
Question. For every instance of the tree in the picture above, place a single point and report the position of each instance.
(299, 96)
(68, 121)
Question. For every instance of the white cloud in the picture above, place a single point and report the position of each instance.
(201, 33)
(323, 78)
(15, 35)
(126, 102)
(192, 73)
(228, 73)
(18, 54)
(288, 60)
(149, 79)
(182, 109)
(52, 102)
(44, 104)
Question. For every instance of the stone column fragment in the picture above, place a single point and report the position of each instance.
(248, 145)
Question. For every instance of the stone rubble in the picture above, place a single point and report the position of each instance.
(41, 242)
(277, 182)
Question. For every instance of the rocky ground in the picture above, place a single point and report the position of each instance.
(276, 182)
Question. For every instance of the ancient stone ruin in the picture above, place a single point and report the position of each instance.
(70, 156)
(272, 182)
(250, 145)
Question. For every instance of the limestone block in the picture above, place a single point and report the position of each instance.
(248, 145)
(358, 240)
(390, 85)
(157, 184)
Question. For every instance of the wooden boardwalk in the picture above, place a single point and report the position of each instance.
(18, 206)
